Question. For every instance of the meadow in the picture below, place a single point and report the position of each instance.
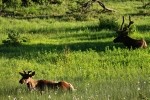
(80, 52)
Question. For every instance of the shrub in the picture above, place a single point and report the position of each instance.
(108, 23)
(14, 39)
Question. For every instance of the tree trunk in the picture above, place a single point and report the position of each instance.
(105, 9)
(86, 5)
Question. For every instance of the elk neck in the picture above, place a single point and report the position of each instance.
(32, 83)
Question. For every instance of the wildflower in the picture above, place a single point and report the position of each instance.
(15, 98)
(49, 96)
(55, 92)
(138, 89)
(9, 97)
(74, 98)
(108, 97)
(88, 84)
(21, 97)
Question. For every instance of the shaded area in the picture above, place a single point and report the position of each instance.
(143, 28)
(89, 29)
(57, 17)
(32, 50)
(21, 15)
(147, 41)
(89, 35)
(60, 30)
(140, 13)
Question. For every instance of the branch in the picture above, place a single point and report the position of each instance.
(86, 5)
(144, 6)
(105, 9)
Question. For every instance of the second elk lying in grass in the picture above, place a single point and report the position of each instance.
(41, 85)
(126, 40)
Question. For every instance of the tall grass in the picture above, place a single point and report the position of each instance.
(81, 53)
(114, 74)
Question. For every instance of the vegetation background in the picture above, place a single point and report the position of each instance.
(60, 40)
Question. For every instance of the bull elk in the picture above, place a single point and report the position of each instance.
(126, 40)
(41, 85)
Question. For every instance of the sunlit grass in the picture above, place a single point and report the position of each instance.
(78, 52)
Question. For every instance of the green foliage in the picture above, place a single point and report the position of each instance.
(19, 3)
(14, 39)
(132, 29)
(12, 3)
(76, 52)
(66, 10)
(106, 22)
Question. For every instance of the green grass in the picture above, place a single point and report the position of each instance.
(78, 52)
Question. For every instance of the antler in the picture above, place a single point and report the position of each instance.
(121, 28)
(24, 72)
(130, 22)
(29, 72)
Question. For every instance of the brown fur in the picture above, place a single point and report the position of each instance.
(126, 40)
(130, 43)
(42, 84)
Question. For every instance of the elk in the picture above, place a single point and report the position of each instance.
(41, 85)
(126, 40)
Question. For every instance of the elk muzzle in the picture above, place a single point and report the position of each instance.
(21, 81)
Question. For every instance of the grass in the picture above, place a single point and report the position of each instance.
(78, 52)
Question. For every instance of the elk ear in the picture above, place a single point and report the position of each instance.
(32, 74)
(21, 73)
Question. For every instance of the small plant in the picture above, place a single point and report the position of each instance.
(108, 23)
(14, 39)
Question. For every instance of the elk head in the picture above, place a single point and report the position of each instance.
(123, 31)
(26, 76)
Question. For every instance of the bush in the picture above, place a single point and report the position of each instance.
(108, 23)
(12, 3)
(14, 39)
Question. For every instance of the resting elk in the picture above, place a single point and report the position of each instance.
(126, 40)
(41, 85)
